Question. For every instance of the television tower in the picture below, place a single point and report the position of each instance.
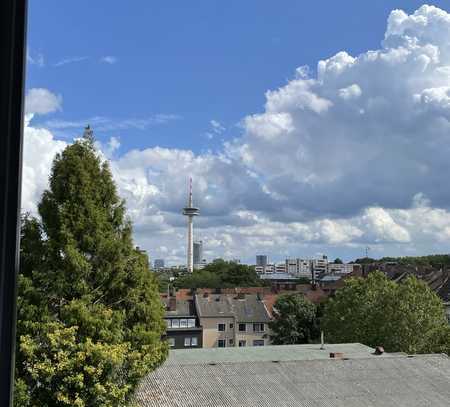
(190, 211)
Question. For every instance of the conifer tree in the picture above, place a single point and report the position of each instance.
(90, 319)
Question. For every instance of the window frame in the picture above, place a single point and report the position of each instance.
(219, 325)
(245, 327)
(221, 341)
(13, 24)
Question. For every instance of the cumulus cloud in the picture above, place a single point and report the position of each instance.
(42, 101)
(355, 156)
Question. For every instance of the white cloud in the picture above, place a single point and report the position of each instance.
(356, 156)
(109, 59)
(42, 101)
(70, 60)
(35, 59)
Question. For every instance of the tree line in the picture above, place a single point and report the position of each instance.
(402, 317)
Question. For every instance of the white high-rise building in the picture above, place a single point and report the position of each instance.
(190, 211)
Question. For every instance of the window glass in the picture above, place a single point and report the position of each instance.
(258, 342)
(191, 323)
(194, 341)
(231, 326)
(171, 342)
(187, 341)
(175, 323)
(258, 327)
(242, 327)
(168, 323)
(221, 327)
(221, 343)
(183, 323)
(242, 343)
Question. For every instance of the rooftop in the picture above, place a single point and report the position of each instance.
(296, 375)
(247, 308)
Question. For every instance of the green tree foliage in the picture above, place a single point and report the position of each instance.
(337, 260)
(89, 315)
(220, 274)
(294, 320)
(406, 317)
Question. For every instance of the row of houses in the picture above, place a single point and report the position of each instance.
(237, 317)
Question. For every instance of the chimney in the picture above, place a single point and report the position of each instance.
(172, 303)
(379, 350)
(336, 355)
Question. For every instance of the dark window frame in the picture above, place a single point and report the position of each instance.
(13, 22)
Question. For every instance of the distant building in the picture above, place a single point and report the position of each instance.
(198, 253)
(232, 320)
(159, 264)
(262, 260)
(299, 267)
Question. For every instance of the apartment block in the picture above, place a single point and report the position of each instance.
(232, 320)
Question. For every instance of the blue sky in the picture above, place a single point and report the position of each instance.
(200, 61)
(181, 87)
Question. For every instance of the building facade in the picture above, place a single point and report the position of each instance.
(233, 320)
(183, 328)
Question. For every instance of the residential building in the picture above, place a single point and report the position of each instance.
(299, 267)
(280, 268)
(183, 327)
(340, 269)
(158, 264)
(232, 320)
(296, 375)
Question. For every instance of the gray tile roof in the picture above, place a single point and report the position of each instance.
(249, 309)
(183, 308)
(371, 381)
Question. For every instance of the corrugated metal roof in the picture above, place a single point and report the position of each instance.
(265, 353)
(369, 381)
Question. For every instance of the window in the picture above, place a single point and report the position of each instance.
(231, 342)
(190, 341)
(258, 342)
(191, 323)
(175, 323)
(231, 326)
(242, 327)
(258, 327)
(171, 342)
(242, 343)
(221, 343)
(183, 323)
(221, 327)
(168, 323)
(194, 341)
(187, 341)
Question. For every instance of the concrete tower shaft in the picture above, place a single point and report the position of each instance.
(190, 211)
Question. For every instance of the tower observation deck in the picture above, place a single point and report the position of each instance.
(190, 211)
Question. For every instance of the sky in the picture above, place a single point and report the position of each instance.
(309, 128)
